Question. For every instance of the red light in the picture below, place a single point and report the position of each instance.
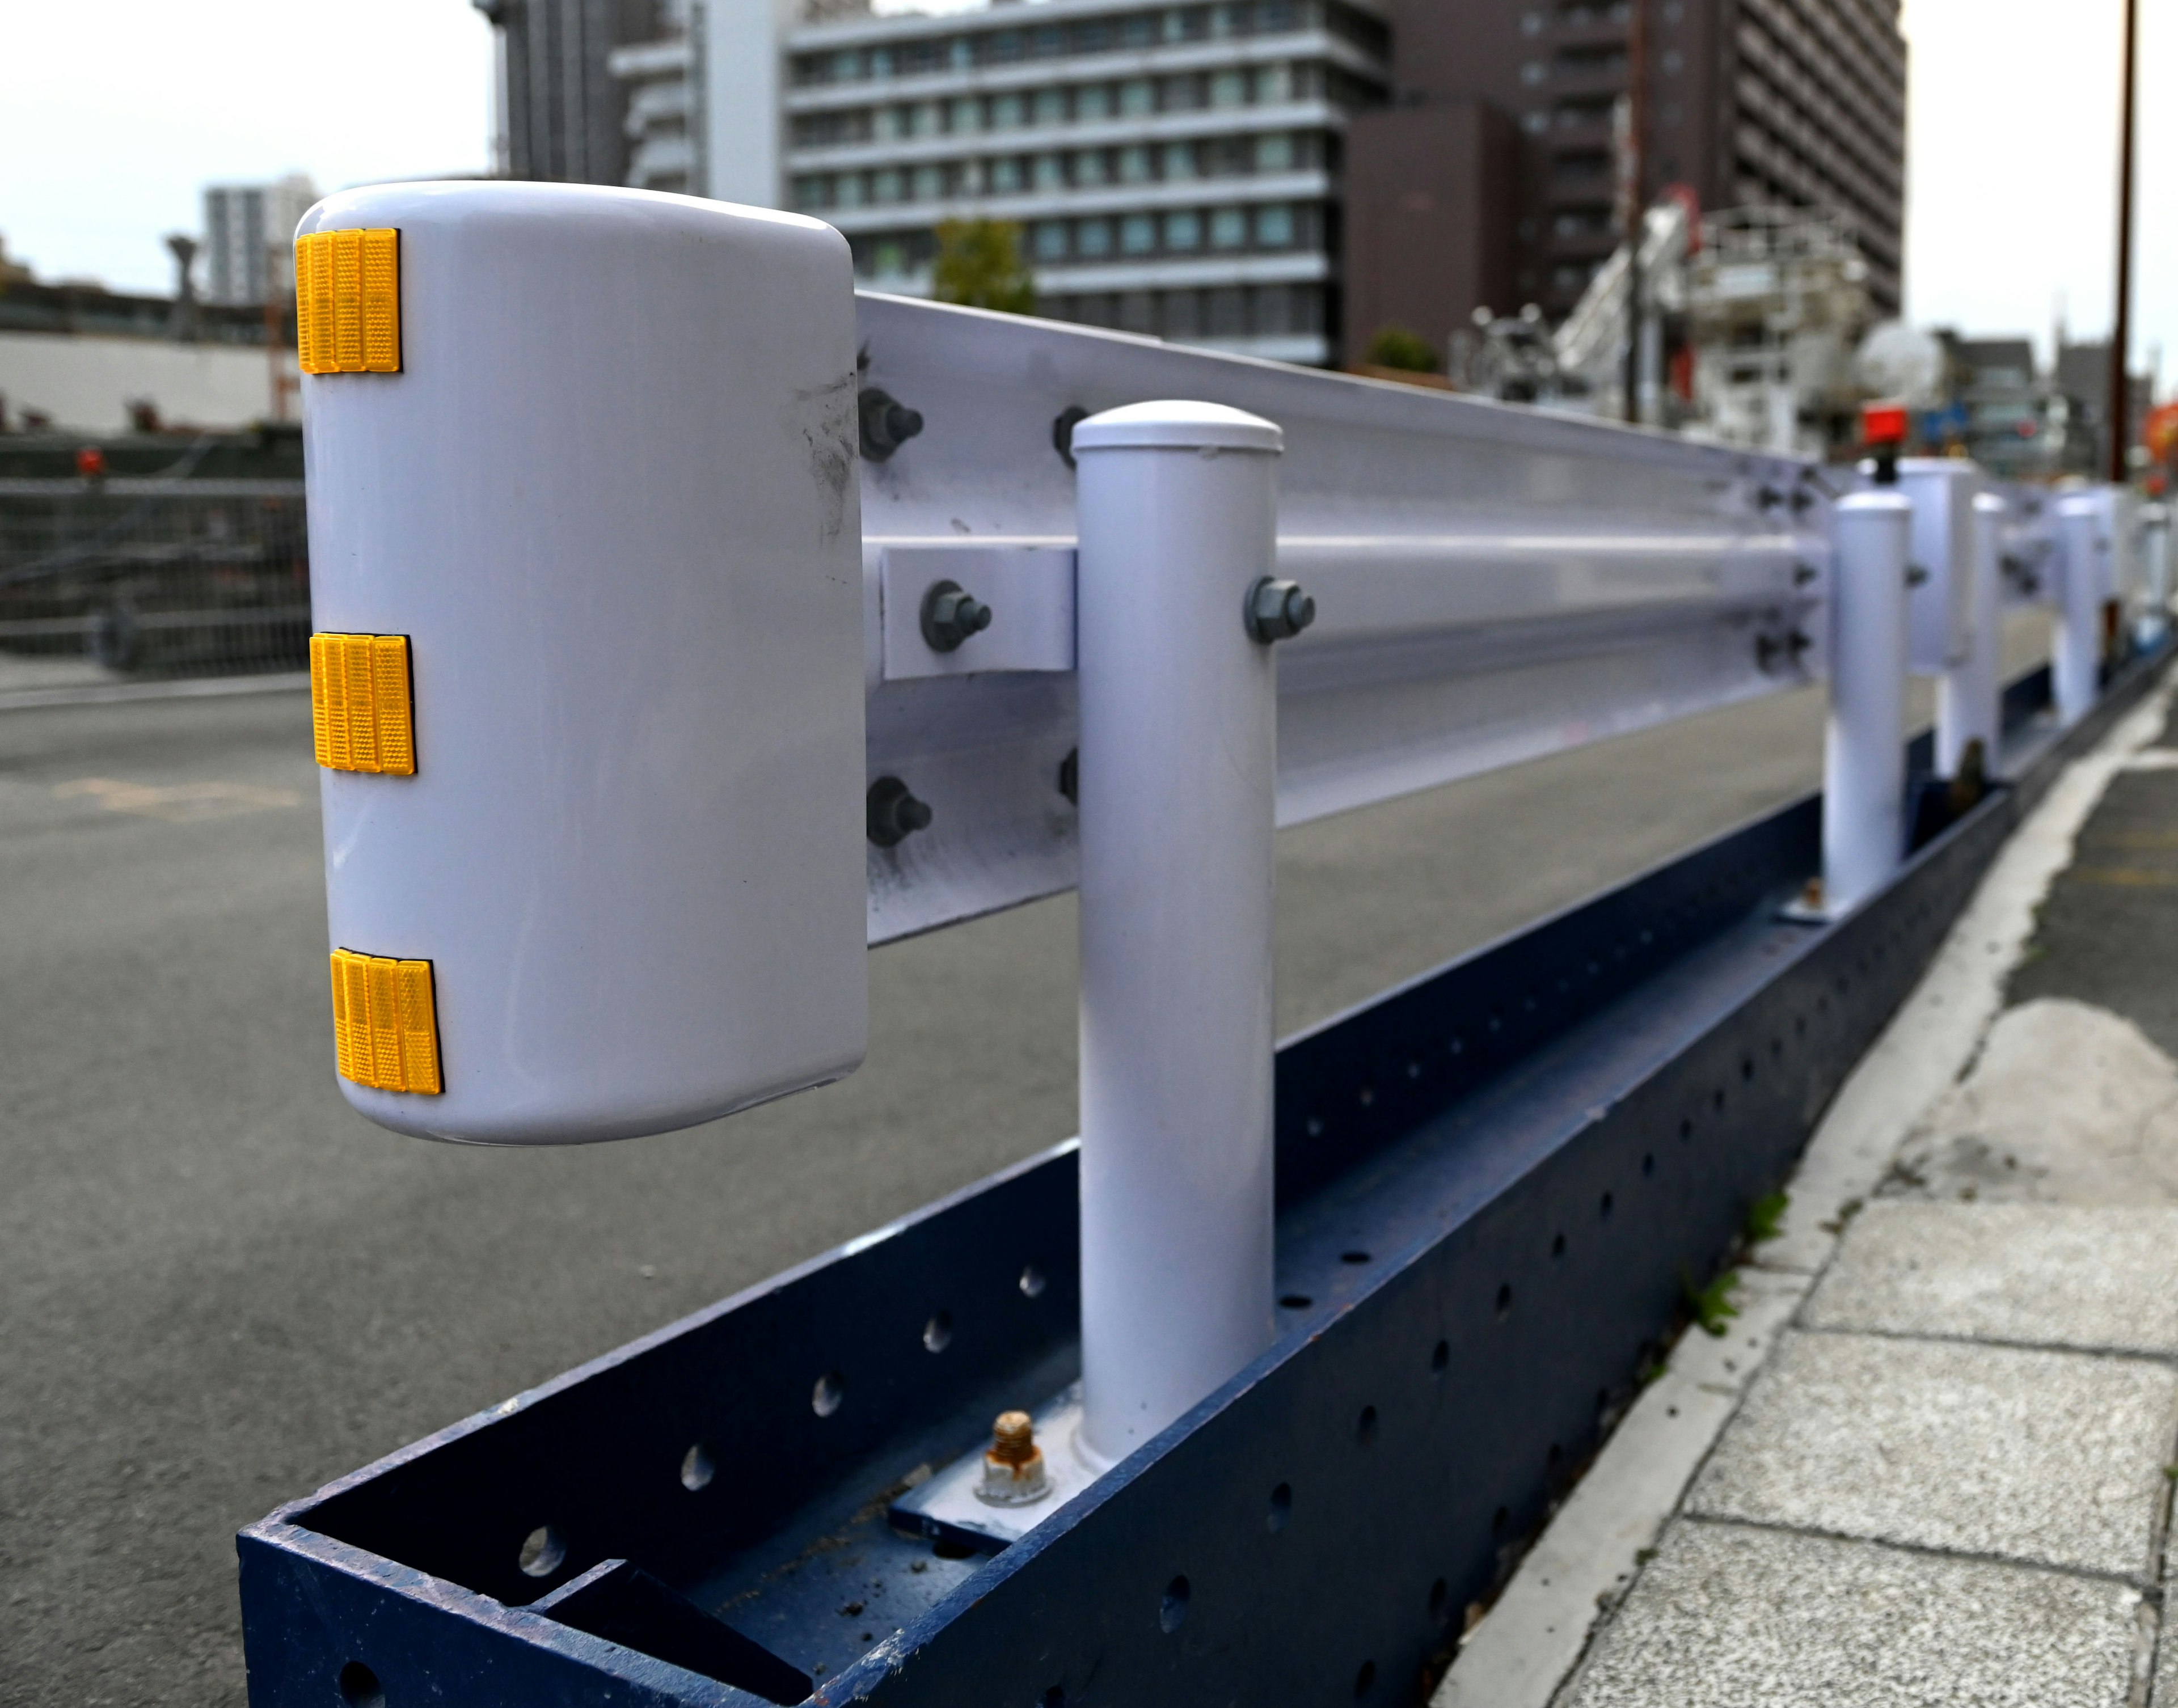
(1883, 423)
(90, 462)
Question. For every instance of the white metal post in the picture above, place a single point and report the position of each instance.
(1177, 787)
(1970, 695)
(2155, 547)
(1864, 754)
(2075, 640)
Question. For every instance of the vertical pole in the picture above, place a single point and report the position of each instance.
(1178, 783)
(1864, 751)
(2119, 415)
(2155, 547)
(1634, 215)
(2075, 649)
(1970, 695)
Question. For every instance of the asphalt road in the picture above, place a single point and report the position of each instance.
(219, 1288)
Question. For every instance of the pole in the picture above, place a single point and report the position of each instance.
(1178, 783)
(1634, 215)
(2119, 415)
(2075, 640)
(1865, 750)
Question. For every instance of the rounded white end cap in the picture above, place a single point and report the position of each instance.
(1177, 425)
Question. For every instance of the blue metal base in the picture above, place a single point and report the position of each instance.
(1495, 1184)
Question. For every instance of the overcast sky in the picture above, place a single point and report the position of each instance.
(112, 116)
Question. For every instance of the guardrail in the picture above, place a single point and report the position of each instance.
(1307, 1339)
(155, 577)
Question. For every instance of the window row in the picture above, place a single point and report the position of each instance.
(1009, 175)
(1079, 103)
(1134, 31)
(1233, 311)
(1275, 228)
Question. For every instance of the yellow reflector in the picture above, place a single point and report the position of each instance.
(362, 707)
(385, 1026)
(347, 301)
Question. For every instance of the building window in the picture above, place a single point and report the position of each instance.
(812, 193)
(1137, 234)
(1051, 107)
(1274, 227)
(1178, 161)
(1005, 176)
(1229, 88)
(1091, 167)
(1182, 231)
(1227, 315)
(1182, 314)
(1092, 101)
(1093, 238)
(1135, 164)
(1137, 96)
(1534, 71)
(851, 190)
(1229, 228)
(1137, 311)
(1274, 84)
(966, 114)
(885, 186)
(921, 118)
(1049, 239)
(1007, 112)
(929, 182)
(1051, 171)
(891, 258)
(1274, 153)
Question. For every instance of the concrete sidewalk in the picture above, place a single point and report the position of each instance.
(1932, 1460)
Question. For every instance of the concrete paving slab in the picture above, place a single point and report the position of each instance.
(2037, 1274)
(1726, 1617)
(2051, 1458)
(2165, 1693)
(2067, 1103)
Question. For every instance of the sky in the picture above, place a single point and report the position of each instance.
(114, 116)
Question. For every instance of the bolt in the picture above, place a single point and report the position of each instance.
(950, 615)
(887, 423)
(1277, 610)
(1013, 1465)
(895, 815)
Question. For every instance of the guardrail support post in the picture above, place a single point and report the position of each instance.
(2075, 640)
(1970, 695)
(1178, 783)
(2155, 547)
(1864, 753)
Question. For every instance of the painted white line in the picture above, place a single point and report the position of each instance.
(1523, 1650)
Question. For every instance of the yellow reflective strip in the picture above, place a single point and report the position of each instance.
(362, 724)
(385, 987)
(389, 704)
(306, 252)
(321, 303)
(343, 1052)
(419, 1029)
(381, 302)
(355, 980)
(347, 301)
(319, 645)
(336, 714)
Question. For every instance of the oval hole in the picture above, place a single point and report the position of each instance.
(1353, 1257)
(1365, 1681)
(938, 1333)
(1295, 1301)
(359, 1687)
(1439, 1595)
(1364, 1427)
(1604, 1207)
(1172, 1610)
(1504, 1302)
(696, 1468)
(542, 1550)
(1279, 1509)
(826, 1397)
(1440, 1357)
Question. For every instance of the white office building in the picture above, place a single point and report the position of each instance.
(248, 237)
(1174, 168)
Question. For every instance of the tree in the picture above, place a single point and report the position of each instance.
(980, 266)
(1394, 346)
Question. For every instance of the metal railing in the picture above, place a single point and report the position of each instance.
(159, 577)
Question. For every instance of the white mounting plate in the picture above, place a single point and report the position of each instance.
(947, 1507)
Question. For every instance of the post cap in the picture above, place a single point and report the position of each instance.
(1169, 424)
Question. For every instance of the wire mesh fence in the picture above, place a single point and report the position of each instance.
(154, 577)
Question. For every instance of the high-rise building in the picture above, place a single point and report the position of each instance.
(247, 231)
(562, 113)
(1174, 167)
(1790, 103)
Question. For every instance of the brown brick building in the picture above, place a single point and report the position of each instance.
(1490, 177)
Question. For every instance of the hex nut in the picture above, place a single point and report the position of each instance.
(1277, 610)
(950, 615)
(887, 423)
(893, 813)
